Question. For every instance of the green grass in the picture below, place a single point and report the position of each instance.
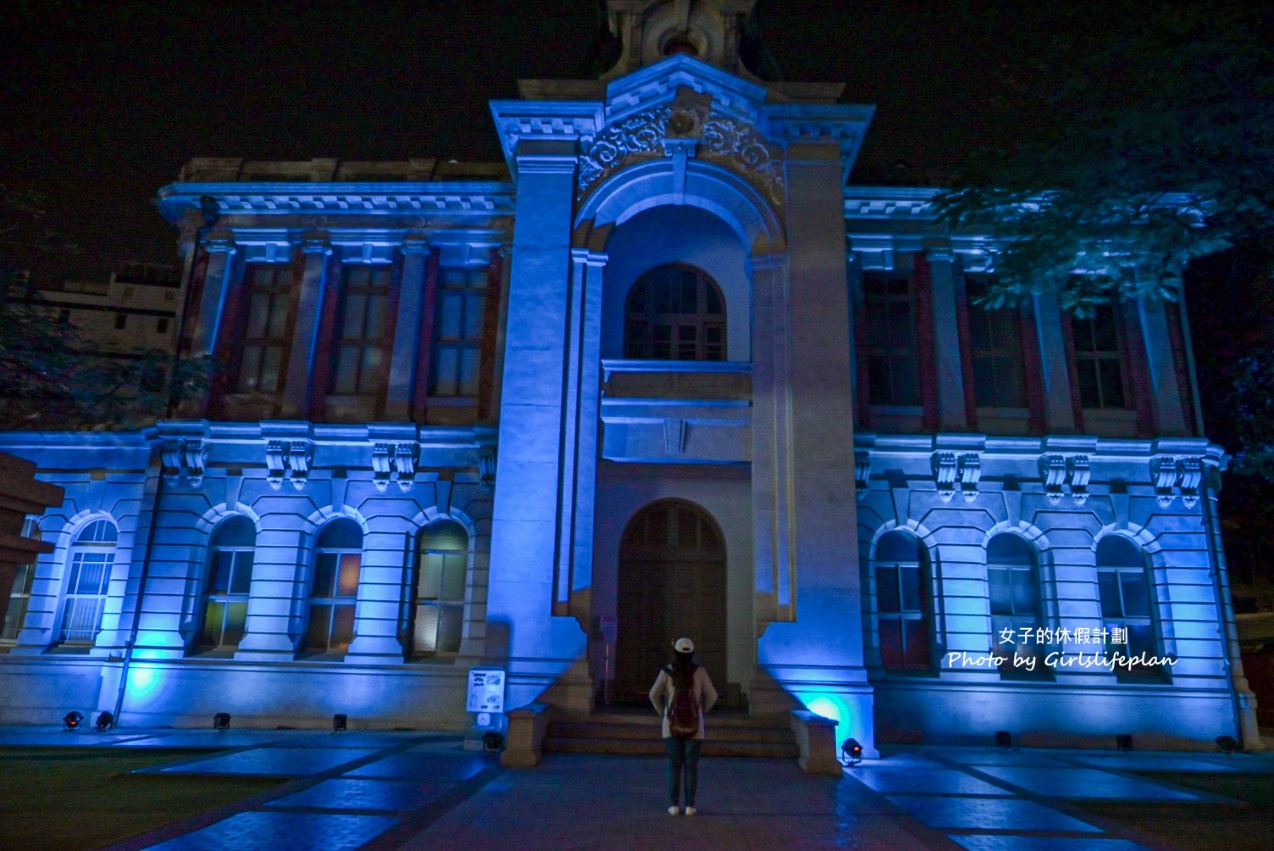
(72, 798)
(1246, 824)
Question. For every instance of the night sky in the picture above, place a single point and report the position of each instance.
(104, 102)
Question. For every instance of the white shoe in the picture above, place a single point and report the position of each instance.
(676, 811)
(691, 811)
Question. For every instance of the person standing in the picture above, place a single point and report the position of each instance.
(681, 740)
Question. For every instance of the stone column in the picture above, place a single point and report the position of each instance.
(212, 300)
(575, 560)
(523, 630)
(298, 385)
(1059, 409)
(405, 356)
(952, 412)
(1166, 398)
(771, 424)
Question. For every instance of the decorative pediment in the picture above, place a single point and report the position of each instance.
(691, 125)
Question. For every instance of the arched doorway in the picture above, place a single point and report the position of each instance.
(672, 582)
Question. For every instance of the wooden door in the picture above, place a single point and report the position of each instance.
(672, 570)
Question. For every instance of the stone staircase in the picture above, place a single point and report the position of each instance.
(638, 733)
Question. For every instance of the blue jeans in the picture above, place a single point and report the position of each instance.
(682, 754)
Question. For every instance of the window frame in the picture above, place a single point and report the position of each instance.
(923, 612)
(229, 597)
(892, 353)
(1150, 620)
(369, 380)
(455, 359)
(332, 600)
(269, 340)
(1089, 360)
(455, 605)
(1027, 574)
(1005, 322)
(642, 325)
(76, 558)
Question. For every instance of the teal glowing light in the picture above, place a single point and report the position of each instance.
(142, 681)
(837, 708)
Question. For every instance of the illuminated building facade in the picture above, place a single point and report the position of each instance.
(662, 372)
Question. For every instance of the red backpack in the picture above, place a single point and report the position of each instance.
(682, 712)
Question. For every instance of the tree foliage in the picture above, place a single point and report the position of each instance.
(51, 377)
(54, 379)
(1154, 149)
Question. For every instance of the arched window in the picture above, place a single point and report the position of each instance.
(437, 598)
(89, 566)
(903, 607)
(334, 590)
(225, 609)
(19, 593)
(675, 313)
(1013, 579)
(1127, 601)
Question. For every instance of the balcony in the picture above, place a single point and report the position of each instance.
(676, 412)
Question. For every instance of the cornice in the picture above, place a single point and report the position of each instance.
(899, 203)
(560, 121)
(340, 199)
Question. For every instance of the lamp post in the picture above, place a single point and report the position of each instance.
(211, 212)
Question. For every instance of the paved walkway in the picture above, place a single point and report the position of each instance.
(391, 790)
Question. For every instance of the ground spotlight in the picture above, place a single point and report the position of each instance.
(1123, 742)
(104, 722)
(851, 753)
(221, 721)
(1226, 744)
(492, 742)
(1003, 739)
(72, 720)
(340, 722)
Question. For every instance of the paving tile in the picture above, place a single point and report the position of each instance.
(987, 813)
(917, 781)
(208, 739)
(993, 756)
(345, 794)
(1001, 842)
(291, 831)
(1161, 762)
(286, 762)
(357, 739)
(1085, 783)
(415, 766)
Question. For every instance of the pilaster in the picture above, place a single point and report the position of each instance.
(380, 588)
(1166, 399)
(221, 249)
(1059, 408)
(405, 355)
(952, 410)
(528, 516)
(811, 479)
(580, 458)
(298, 387)
(272, 627)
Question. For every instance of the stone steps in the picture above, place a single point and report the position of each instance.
(640, 734)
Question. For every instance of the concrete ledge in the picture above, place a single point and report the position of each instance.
(816, 737)
(525, 742)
